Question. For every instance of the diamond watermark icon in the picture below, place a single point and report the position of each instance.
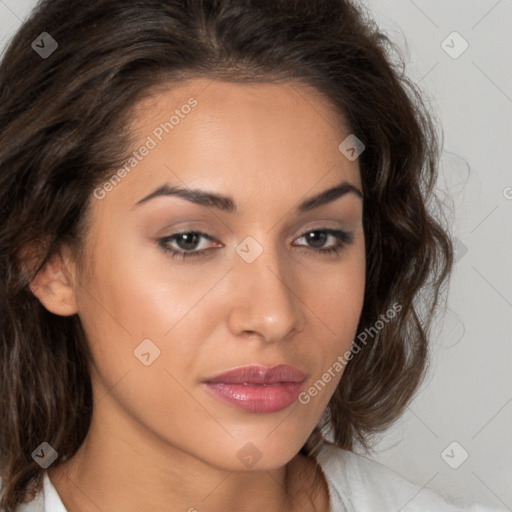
(44, 455)
(44, 45)
(460, 250)
(249, 249)
(146, 352)
(454, 45)
(249, 455)
(351, 147)
(454, 455)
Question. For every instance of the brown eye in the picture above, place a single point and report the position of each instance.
(186, 242)
(317, 239)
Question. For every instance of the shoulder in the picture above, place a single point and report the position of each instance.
(357, 483)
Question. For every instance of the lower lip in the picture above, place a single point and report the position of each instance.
(256, 398)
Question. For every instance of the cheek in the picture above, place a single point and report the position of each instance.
(121, 310)
(338, 306)
(339, 294)
(337, 301)
(131, 291)
(132, 295)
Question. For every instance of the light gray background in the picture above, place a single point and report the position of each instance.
(468, 395)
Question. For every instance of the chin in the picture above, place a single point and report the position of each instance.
(258, 453)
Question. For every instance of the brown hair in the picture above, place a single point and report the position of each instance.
(63, 130)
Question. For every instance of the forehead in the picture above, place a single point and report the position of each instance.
(251, 140)
(276, 100)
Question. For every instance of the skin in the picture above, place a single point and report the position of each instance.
(158, 440)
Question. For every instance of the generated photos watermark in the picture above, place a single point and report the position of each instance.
(152, 141)
(343, 359)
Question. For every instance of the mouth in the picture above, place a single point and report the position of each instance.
(257, 389)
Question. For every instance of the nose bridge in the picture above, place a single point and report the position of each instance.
(264, 302)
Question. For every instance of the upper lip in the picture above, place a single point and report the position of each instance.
(256, 374)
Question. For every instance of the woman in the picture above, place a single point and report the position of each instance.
(214, 242)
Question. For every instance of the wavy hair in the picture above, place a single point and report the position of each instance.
(63, 130)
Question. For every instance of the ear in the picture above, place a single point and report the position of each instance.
(54, 285)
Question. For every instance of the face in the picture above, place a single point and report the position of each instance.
(178, 292)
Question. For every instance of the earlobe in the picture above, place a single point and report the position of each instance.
(54, 285)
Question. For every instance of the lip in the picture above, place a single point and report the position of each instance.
(257, 389)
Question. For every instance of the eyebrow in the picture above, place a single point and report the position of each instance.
(227, 204)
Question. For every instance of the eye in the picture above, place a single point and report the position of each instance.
(188, 241)
(318, 237)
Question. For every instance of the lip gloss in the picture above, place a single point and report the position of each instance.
(257, 389)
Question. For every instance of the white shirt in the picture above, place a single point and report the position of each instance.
(356, 484)
(359, 484)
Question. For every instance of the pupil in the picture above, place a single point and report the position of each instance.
(317, 237)
(190, 238)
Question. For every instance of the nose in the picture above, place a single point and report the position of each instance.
(265, 298)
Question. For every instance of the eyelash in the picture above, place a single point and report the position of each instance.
(343, 238)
